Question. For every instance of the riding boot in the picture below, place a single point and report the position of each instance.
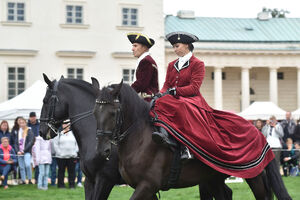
(186, 154)
(161, 136)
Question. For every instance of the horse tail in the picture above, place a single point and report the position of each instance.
(276, 181)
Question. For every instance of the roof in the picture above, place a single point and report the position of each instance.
(31, 100)
(212, 29)
(262, 110)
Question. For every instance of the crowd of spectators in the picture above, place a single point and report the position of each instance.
(284, 140)
(26, 155)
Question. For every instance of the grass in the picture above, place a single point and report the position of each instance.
(29, 192)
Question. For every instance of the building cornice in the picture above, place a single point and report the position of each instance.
(67, 53)
(75, 26)
(246, 51)
(7, 23)
(18, 52)
(122, 55)
(130, 28)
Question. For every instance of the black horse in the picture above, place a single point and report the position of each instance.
(74, 100)
(122, 117)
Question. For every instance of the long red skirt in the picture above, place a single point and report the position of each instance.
(222, 140)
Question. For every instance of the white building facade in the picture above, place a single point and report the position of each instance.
(74, 38)
(87, 38)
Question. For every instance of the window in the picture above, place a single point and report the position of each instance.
(76, 73)
(129, 16)
(74, 14)
(16, 81)
(128, 75)
(223, 76)
(280, 75)
(15, 12)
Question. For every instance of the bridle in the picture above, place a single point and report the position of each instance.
(52, 123)
(116, 134)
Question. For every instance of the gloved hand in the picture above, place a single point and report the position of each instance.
(172, 91)
(157, 95)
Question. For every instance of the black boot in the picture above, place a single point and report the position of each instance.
(185, 154)
(161, 136)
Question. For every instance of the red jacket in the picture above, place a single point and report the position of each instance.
(146, 77)
(222, 140)
(187, 81)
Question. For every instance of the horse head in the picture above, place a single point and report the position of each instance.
(108, 115)
(53, 111)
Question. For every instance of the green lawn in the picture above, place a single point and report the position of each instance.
(29, 192)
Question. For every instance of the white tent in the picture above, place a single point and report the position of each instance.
(263, 110)
(29, 100)
(296, 114)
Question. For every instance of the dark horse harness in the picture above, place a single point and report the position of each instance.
(52, 123)
(117, 135)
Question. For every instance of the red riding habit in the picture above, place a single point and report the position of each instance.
(222, 140)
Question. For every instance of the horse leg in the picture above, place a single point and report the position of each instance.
(102, 188)
(144, 191)
(217, 189)
(88, 189)
(258, 187)
(204, 194)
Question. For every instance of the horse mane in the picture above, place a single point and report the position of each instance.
(129, 100)
(79, 83)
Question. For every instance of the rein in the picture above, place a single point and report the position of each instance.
(52, 122)
(116, 133)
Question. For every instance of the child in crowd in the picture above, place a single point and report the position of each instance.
(42, 158)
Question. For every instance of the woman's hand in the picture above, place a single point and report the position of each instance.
(172, 91)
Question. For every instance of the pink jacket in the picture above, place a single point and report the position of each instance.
(41, 151)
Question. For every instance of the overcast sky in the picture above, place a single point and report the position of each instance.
(231, 8)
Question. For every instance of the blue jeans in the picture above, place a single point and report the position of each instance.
(53, 171)
(4, 170)
(78, 172)
(25, 166)
(43, 175)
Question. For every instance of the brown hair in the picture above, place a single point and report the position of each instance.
(4, 122)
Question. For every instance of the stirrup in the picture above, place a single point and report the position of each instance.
(162, 137)
(186, 154)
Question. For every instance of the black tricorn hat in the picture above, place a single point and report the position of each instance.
(181, 37)
(140, 38)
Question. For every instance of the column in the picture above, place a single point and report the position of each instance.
(245, 87)
(218, 88)
(273, 85)
(298, 87)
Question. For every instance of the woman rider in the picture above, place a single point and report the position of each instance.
(222, 140)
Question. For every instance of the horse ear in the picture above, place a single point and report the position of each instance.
(95, 83)
(47, 80)
(117, 90)
(62, 77)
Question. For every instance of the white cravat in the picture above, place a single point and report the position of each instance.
(138, 62)
(184, 59)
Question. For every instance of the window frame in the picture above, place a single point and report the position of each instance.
(139, 25)
(131, 75)
(16, 80)
(84, 15)
(75, 73)
(15, 22)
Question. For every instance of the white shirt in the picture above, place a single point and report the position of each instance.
(184, 59)
(138, 62)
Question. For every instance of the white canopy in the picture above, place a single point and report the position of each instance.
(263, 110)
(31, 100)
(296, 114)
